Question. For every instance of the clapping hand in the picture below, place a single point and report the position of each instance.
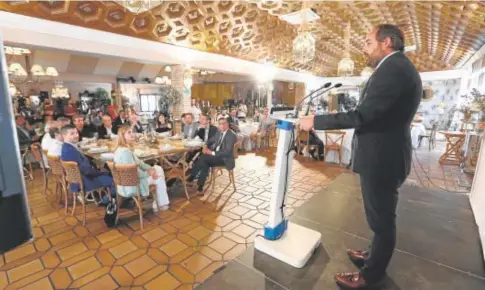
(306, 123)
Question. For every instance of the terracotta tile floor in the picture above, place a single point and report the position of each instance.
(178, 248)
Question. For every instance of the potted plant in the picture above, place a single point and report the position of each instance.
(478, 105)
(169, 98)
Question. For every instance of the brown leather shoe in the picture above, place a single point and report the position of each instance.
(351, 281)
(358, 257)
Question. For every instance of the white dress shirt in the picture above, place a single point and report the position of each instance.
(47, 142)
(219, 142)
(386, 57)
(56, 148)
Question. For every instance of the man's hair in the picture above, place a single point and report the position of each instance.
(78, 117)
(53, 131)
(223, 119)
(66, 128)
(183, 115)
(189, 114)
(106, 115)
(394, 33)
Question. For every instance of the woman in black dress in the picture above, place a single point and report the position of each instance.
(162, 125)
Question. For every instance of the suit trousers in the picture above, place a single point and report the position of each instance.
(380, 197)
(202, 167)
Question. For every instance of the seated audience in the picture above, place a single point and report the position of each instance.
(83, 130)
(55, 148)
(106, 129)
(119, 121)
(218, 152)
(242, 110)
(63, 121)
(147, 174)
(162, 125)
(135, 124)
(92, 177)
(233, 120)
(47, 140)
(98, 120)
(264, 126)
(257, 116)
(190, 127)
(223, 115)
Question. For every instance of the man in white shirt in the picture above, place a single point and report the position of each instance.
(106, 129)
(57, 141)
(47, 140)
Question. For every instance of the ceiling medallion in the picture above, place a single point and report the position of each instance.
(137, 6)
(346, 65)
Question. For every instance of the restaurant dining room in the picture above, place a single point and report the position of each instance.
(247, 144)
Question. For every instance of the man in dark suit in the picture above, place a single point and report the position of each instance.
(106, 129)
(205, 131)
(92, 177)
(83, 130)
(382, 146)
(119, 121)
(25, 136)
(219, 152)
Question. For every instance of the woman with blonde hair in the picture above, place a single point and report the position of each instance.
(147, 174)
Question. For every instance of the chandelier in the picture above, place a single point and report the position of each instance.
(346, 65)
(163, 81)
(304, 43)
(18, 73)
(304, 47)
(137, 6)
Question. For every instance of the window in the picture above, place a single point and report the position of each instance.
(149, 103)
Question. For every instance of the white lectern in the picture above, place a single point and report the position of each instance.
(283, 240)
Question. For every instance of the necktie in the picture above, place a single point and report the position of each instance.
(219, 142)
(206, 134)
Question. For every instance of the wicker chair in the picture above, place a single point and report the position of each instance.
(58, 174)
(303, 141)
(218, 169)
(127, 175)
(270, 138)
(176, 170)
(334, 142)
(73, 176)
(37, 152)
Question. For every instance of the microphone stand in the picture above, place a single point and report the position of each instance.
(295, 114)
(332, 87)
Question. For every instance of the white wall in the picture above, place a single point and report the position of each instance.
(477, 195)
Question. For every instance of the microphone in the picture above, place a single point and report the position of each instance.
(335, 86)
(295, 114)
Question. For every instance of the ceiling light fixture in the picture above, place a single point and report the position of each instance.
(346, 65)
(304, 43)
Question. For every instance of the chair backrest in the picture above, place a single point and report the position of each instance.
(73, 174)
(303, 136)
(334, 138)
(434, 129)
(37, 152)
(55, 165)
(235, 150)
(124, 174)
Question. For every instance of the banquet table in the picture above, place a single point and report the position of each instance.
(247, 129)
(346, 147)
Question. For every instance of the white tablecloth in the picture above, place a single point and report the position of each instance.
(416, 131)
(246, 130)
(346, 146)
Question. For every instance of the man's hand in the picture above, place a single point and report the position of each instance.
(306, 123)
(206, 151)
(153, 173)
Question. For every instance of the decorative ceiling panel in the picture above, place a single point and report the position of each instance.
(445, 33)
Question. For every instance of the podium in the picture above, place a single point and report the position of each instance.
(284, 240)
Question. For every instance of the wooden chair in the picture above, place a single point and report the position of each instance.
(219, 169)
(39, 158)
(73, 176)
(127, 175)
(334, 142)
(58, 174)
(431, 137)
(176, 170)
(303, 141)
(268, 137)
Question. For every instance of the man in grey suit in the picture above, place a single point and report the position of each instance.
(190, 127)
(382, 151)
(219, 152)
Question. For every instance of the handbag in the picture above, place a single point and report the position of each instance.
(111, 210)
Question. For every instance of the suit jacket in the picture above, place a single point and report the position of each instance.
(382, 143)
(24, 136)
(117, 123)
(225, 148)
(138, 128)
(192, 129)
(86, 132)
(234, 121)
(212, 133)
(88, 171)
(103, 132)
